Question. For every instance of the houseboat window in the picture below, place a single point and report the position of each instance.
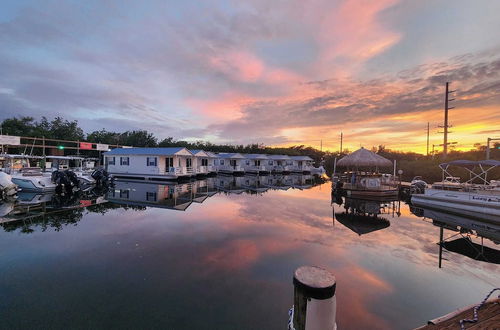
(204, 162)
(222, 161)
(257, 163)
(151, 196)
(248, 162)
(270, 162)
(232, 162)
(151, 161)
(111, 160)
(124, 161)
(124, 193)
(169, 162)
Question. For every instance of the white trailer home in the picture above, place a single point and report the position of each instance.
(150, 163)
(280, 163)
(255, 163)
(203, 162)
(302, 164)
(230, 163)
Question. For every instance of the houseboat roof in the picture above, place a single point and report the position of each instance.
(255, 156)
(231, 156)
(301, 158)
(364, 158)
(150, 151)
(211, 154)
(279, 157)
(199, 153)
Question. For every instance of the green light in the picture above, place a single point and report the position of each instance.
(60, 147)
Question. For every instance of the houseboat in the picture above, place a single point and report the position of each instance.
(363, 178)
(477, 197)
(212, 162)
(280, 163)
(301, 164)
(203, 162)
(256, 164)
(230, 163)
(156, 164)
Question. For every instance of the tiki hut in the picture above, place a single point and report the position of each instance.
(364, 158)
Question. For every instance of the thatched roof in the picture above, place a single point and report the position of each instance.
(364, 158)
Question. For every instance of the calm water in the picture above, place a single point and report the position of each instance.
(220, 254)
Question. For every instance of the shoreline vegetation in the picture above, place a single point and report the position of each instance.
(411, 163)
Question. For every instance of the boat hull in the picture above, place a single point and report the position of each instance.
(475, 205)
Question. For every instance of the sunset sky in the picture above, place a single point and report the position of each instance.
(257, 71)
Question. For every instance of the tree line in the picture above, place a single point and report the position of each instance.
(411, 163)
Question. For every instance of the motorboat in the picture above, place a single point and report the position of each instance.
(477, 197)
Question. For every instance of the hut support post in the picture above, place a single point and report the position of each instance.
(314, 299)
(334, 166)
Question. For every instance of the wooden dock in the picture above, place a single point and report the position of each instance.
(488, 318)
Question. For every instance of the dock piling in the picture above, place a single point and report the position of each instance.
(314, 299)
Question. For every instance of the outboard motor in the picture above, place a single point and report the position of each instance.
(61, 180)
(102, 177)
(73, 178)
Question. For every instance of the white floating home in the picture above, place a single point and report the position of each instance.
(280, 163)
(150, 163)
(203, 162)
(230, 163)
(302, 164)
(256, 164)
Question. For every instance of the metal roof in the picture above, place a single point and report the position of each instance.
(255, 156)
(301, 158)
(279, 157)
(231, 156)
(146, 151)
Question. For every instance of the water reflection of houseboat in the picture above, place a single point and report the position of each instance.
(468, 236)
(363, 177)
(253, 184)
(173, 196)
(275, 181)
(229, 184)
(304, 181)
(363, 216)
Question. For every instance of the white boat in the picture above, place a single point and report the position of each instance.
(27, 174)
(468, 198)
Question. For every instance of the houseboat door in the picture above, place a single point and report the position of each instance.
(188, 162)
(169, 163)
(232, 162)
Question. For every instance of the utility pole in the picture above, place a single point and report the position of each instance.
(321, 145)
(445, 126)
(428, 138)
(341, 140)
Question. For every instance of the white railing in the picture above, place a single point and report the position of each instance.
(229, 168)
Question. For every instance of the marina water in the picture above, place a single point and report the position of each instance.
(222, 255)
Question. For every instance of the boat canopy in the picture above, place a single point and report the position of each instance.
(471, 163)
(364, 158)
(472, 167)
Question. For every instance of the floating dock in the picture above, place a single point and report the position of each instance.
(488, 318)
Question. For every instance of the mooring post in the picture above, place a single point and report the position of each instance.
(314, 299)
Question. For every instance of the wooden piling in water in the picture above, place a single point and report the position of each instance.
(314, 299)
